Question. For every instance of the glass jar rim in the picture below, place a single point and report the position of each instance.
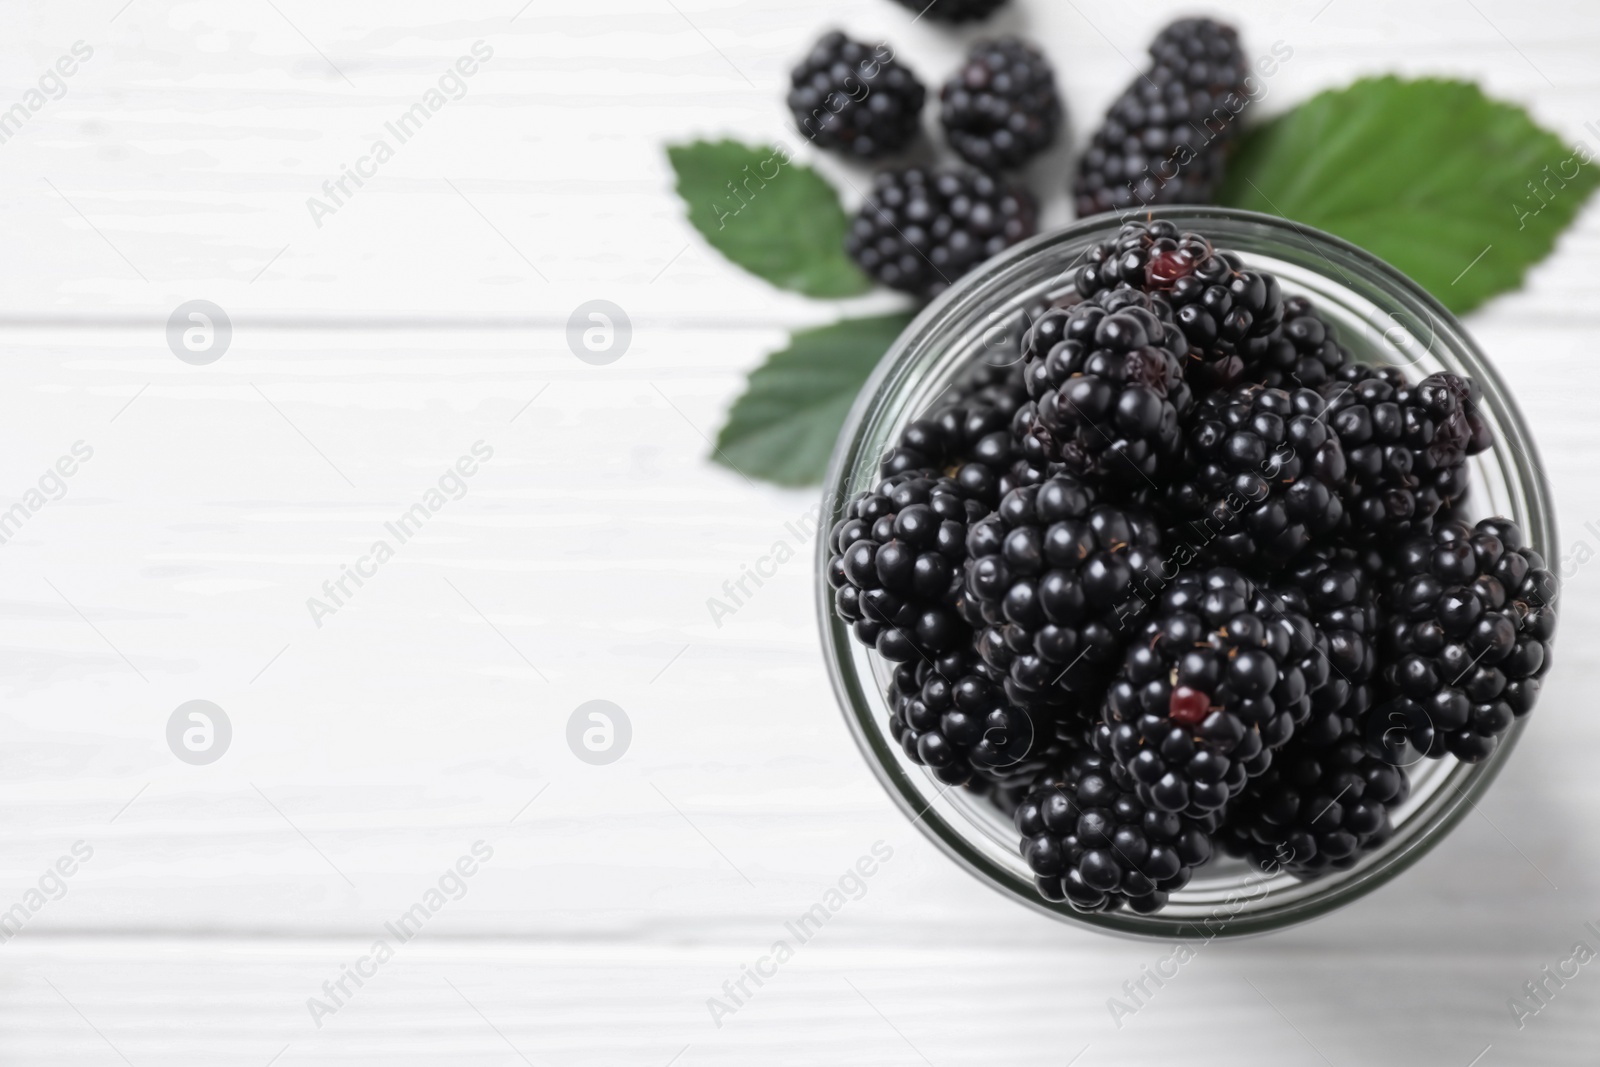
(1349, 265)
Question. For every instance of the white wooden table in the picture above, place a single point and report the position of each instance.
(430, 710)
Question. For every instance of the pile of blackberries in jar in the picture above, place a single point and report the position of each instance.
(1187, 579)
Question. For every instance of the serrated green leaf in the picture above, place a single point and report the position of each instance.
(777, 219)
(1461, 192)
(783, 428)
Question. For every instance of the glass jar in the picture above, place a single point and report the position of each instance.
(1377, 313)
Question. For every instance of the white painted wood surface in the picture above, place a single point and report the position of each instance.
(429, 713)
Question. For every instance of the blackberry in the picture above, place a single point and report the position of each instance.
(952, 10)
(1406, 446)
(1107, 378)
(1261, 475)
(1468, 639)
(854, 98)
(951, 716)
(896, 566)
(1054, 574)
(1219, 677)
(921, 229)
(1091, 841)
(1336, 592)
(1301, 352)
(1165, 138)
(1001, 108)
(1321, 806)
(969, 437)
(1228, 315)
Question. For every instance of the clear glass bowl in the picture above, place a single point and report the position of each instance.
(1381, 316)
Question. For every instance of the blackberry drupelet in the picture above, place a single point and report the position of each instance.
(1091, 841)
(1467, 642)
(952, 10)
(953, 717)
(856, 99)
(1054, 574)
(1001, 108)
(896, 566)
(1106, 376)
(969, 437)
(1406, 446)
(1219, 677)
(1165, 139)
(1261, 476)
(1322, 805)
(921, 228)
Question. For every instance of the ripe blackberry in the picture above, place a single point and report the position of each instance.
(1336, 592)
(1322, 805)
(1165, 139)
(1001, 108)
(1052, 572)
(921, 229)
(896, 565)
(1261, 475)
(1227, 314)
(1219, 677)
(854, 98)
(952, 10)
(1468, 639)
(968, 438)
(1405, 446)
(952, 716)
(1301, 352)
(1093, 842)
(1107, 377)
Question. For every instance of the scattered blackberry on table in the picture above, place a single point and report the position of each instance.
(1218, 678)
(953, 717)
(1053, 574)
(1467, 642)
(1107, 378)
(952, 10)
(921, 229)
(1321, 805)
(1001, 108)
(856, 99)
(1405, 446)
(1262, 473)
(1165, 139)
(1091, 841)
(896, 566)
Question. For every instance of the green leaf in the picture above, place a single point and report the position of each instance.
(783, 428)
(1461, 192)
(777, 219)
